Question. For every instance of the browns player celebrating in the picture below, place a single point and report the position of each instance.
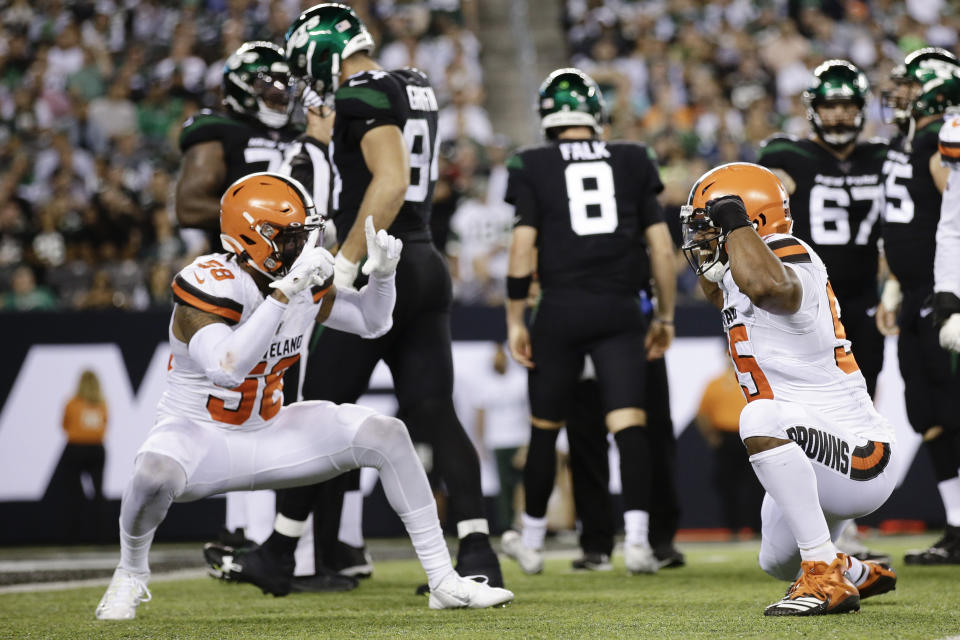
(238, 323)
(815, 441)
(384, 153)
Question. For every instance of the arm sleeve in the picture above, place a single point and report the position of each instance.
(367, 313)
(227, 355)
(946, 263)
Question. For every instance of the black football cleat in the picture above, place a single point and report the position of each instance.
(477, 559)
(257, 566)
(323, 581)
(669, 557)
(348, 560)
(946, 550)
(592, 561)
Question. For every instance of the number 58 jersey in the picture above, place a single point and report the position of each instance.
(802, 357)
(590, 202)
(216, 284)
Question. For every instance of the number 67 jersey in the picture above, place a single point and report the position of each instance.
(802, 357)
(216, 284)
(590, 202)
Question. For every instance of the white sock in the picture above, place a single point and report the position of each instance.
(857, 572)
(351, 519)
(787, 475)
(534, 531)
(950, 494)
(475, 525)
(134, 551)
(423, 526)
(636, 526)
(288, 526)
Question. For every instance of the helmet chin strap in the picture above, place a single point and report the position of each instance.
(271, 117)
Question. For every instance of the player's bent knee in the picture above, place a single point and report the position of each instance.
(382, 433)
(158, 476)
(761, 418)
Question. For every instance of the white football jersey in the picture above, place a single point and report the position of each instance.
(946, 265)
(217, 284)
(802, 357)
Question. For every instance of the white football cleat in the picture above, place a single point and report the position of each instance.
(126, 591)
(530, 560)
(456, 592)
(639, 558)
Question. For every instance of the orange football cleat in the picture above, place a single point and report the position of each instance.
(821, 589)
(881, 579)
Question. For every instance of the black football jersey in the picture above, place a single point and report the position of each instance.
(836, 205)
(366, 101)
(248, 147)
(306, 161)
(590, 202)
(912, 209)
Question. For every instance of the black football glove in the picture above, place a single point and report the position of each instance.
(945, 304)
(728, 213)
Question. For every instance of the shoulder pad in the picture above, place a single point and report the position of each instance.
(212, 284)
(206, 126)
(366, 95)
(779, 138)
(787, 248)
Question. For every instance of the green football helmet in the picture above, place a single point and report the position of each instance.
(925, 84)
(319, 39)
(570, 98)
(257, 84)
(835, 81)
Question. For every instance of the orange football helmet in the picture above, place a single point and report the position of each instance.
(265, 219)
(764, 196)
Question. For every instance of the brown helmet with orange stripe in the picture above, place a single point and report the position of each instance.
(265, 219)
(763, 195)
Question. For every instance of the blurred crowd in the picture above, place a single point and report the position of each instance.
(93, 93)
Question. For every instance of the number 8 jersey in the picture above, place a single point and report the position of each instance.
(802, 357)
(216, 284)
(590, 202)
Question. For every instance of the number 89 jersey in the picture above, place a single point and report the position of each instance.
(590, 202)
(216, 284)
(371, 99)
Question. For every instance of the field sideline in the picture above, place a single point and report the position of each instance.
(719, 594)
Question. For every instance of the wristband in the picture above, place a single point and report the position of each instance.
(518, 288)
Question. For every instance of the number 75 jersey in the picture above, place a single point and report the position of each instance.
(590, 202)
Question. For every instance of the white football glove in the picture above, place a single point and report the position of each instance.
(311, 99)
(344, 272)
(950, 333)
(312, 267)
(383, 250)
(892, 296)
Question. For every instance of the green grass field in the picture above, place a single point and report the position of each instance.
(719, 594)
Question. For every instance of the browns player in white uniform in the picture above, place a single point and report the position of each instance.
(815, 441)
(238, 324)
(946, 267)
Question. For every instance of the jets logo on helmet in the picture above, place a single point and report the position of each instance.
(319, 39)
(257, 84)
(764, 197)
(265, 219)
(927, 83)
(570, 98)
(837, 81)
